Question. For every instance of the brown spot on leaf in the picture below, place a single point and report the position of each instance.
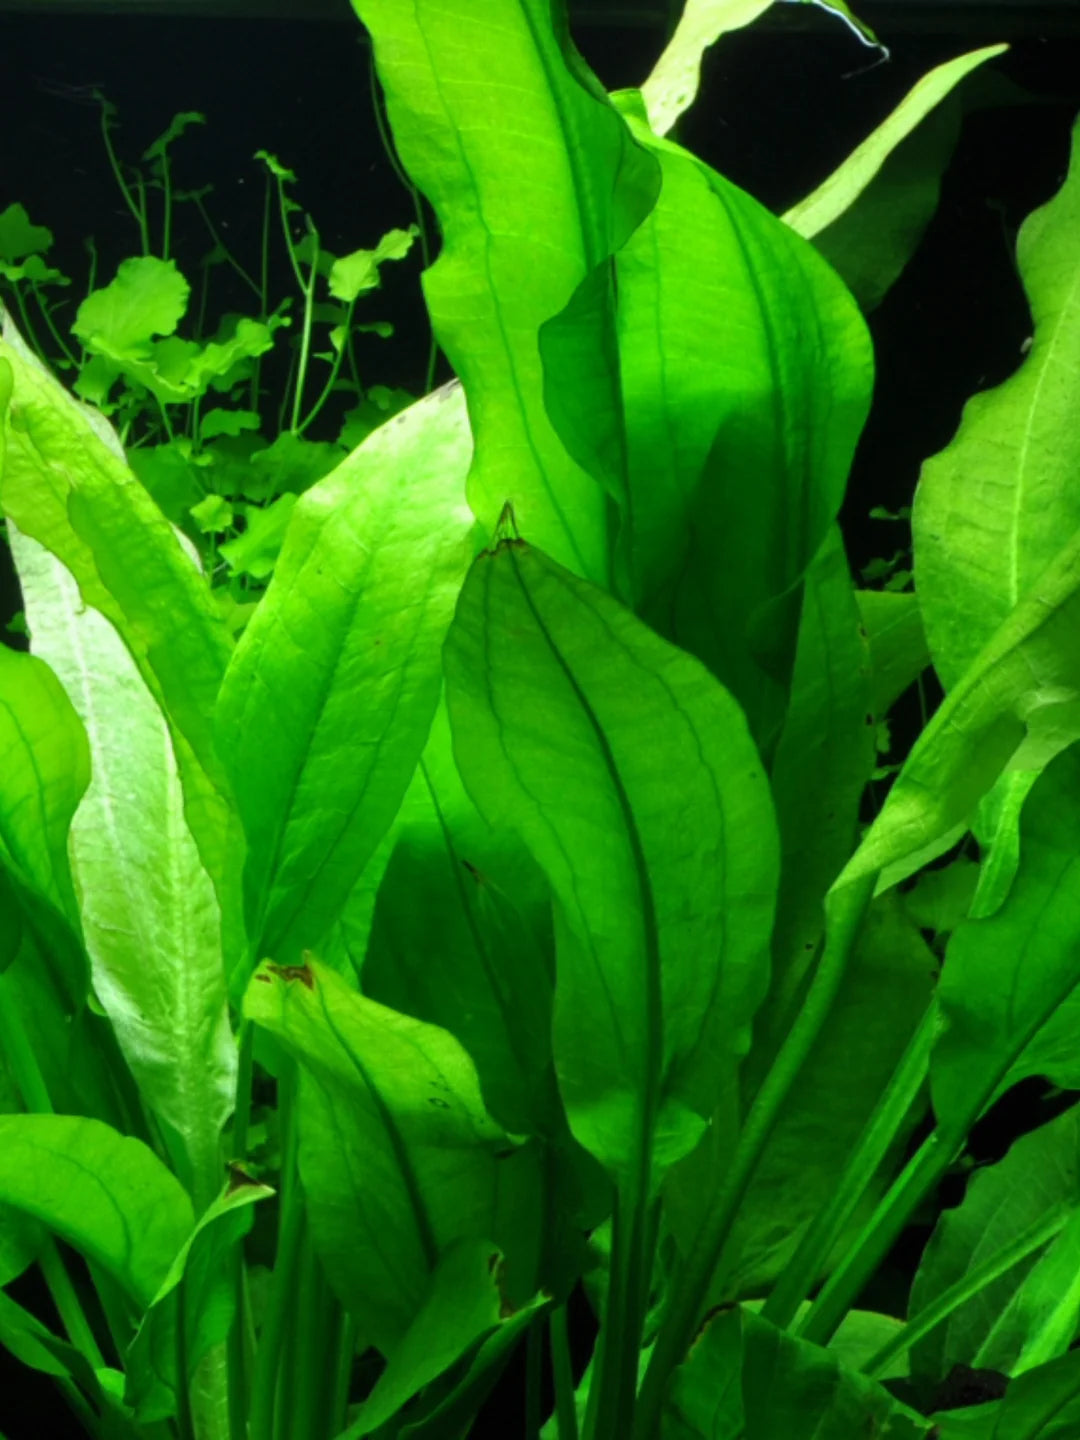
(294, 972)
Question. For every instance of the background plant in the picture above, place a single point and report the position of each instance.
(221, 444)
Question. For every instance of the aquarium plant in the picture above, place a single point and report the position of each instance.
(497, 913)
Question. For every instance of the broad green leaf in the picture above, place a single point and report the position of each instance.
(836, 194)
(150, 917)
(530, 216)
(398, 1156)
(46, 769)
(995, 508)
(64, 483)
(209, 1303)
(107, 1195)
(1010, 987)
(1039, 1179)
(464, 1304)
(1017, 705)
(713, 284)
(745, 1377)
(886, 988)
(629, 774)
(673, 84)
(870, 244)
(327, 703)
(456, 888)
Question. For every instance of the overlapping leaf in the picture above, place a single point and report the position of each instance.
(398, 1156)
(531, 208)
(106, 1194)
(150, 917)
(629, 774)
(327, 703)
(64, 482)
(746, 373)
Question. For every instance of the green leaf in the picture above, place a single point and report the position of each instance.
(45, 773)
(150, 917)
(456, 887)
(209, 1304)
(898, 653)
(941, 899)
(836, 194)
(870, 244)
(529, 220)
(1043, 1404)
(886, 988)
(148, 297)
(1009, 987)
(822, 765)
(1037, 1181)
(34, 1345)
(788, 1388)
(1017, 706)
(348, 634)
(255, 552)
(712, 283)
(353, 275)
(64, 484)
(396, 1101)
(107, 1195)
(629, 774)
(994, 508)
(212, 514)
(464, 1304)
(19, 237)
(673, 84)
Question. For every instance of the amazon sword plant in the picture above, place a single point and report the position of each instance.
(494, 916)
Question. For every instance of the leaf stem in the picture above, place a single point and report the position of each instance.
(863, 1163)
(1043, 1230)
(693, 1275)
(563, 1374)
(290, 1227)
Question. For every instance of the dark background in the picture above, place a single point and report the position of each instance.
(781, 106)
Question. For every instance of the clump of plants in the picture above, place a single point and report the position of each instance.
(494, 916)
(221, 443)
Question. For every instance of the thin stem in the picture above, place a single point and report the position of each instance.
(167, 199)
(562, 1371)
(878, 1135)
(237, 1344)
(345, 1351)
(335, 370)
(305, 332)
(692, 1277)
(969, 1285)
(227, 254)
(138, 211)
(874, 1241)
(58, 339)
(290, 1227)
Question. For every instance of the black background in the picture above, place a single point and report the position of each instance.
(780, 108)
